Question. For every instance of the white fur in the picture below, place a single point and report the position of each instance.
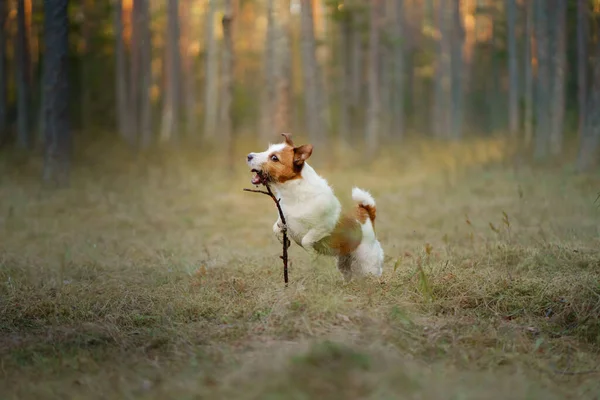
(312, 210)
(362, 197)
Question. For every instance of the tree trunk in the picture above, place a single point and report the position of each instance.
(282, 99)
(399, 72)
(22, 74)
(346, 78)
(171, 109)
(145, 43)
(211, 81)
(189, 69)
(134, 73)
(314, 109)
(457, 69)
(558, 88)
(226, 123)
(441, 101)
(590, 139)
(56, 92)
(373, 106)
(513, 72)
(582, 55)
(542, 126)
(266, 129)
(123, 115)
(3, 74)
(528, 74)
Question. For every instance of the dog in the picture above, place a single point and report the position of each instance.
(313, 214)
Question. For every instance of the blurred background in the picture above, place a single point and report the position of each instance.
(367, 73)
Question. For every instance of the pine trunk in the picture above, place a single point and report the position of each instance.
(542, 127)
(399, 71)
(211, 81)
(559, 60)
(457, 69)
(346, 77)
(122, 103)
(189, 74)
(590, 139)
(373, 106)
(146, 131)
(3, 74)
(582, 62)
(226, 123)
(22, 74)
(311, 77)
(528, 74)
(266, 129)
(513, 71)
(282, 99)
(56, 92)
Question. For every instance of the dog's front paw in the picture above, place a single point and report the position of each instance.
(279, 227)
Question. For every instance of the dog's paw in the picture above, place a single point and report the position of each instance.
(279, 227)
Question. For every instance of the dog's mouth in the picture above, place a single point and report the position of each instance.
(259, 177)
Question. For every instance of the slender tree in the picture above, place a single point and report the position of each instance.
(528, 73)
(559, 61)
(542, 126)
(513, 71)
(211, 81)
(399, 70)
(122, 103)
(145, 54)
(345, 91)
(582, 56)
(226, 117)
(373, 110)
(57, 137)
(266, 128)
(315, 120)
(457, 68)
(23, 83)
(3, 73)
(590, 139)
(441, 101)
(281, 105)
(189, 69)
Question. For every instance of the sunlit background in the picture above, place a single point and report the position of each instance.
(133, 265)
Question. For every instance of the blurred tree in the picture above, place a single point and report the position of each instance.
(227, 84)
(57, 137)
(559, 64)
(172, 100)
(281, 106)
(121, 89)
(211, 81)
(145, 56)
(266, 128)
(399, 70)
(542, 126)
(513, 91)
(529, 35)
(189, 68)
(457, 68)
(582, 60)
(442, 103)
(373, 105)
(313, 95)
(23, 79)
(3, 74)
(590, 139)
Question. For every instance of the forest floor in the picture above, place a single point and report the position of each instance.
(162, 279)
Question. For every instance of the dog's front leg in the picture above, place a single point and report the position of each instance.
(279, 228)
(309, 240)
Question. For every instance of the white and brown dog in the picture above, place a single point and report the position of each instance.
(313, 214)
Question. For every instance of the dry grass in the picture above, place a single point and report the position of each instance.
(162, 279)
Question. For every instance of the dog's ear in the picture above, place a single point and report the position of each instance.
(301, 154)
(288, 139)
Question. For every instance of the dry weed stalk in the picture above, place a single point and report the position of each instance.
(286, 242)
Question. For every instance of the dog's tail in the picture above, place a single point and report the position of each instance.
(366, 205)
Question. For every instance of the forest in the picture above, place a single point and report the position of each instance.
(132, 264)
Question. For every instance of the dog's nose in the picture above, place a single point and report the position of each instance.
(250, 157)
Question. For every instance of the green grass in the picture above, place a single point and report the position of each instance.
(160, 278)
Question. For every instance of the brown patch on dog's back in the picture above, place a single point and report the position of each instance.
(345, 238)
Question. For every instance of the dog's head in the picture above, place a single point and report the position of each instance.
(279, 163)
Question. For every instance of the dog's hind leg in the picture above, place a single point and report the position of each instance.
(344, 264)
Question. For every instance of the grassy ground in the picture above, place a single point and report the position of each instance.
(161, 279)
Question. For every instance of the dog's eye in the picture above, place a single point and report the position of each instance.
(274, 158)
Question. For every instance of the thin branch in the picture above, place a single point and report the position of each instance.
(286, 242)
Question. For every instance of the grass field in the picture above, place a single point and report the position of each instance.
(161, 279)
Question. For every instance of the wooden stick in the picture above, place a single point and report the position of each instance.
(286, 242)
